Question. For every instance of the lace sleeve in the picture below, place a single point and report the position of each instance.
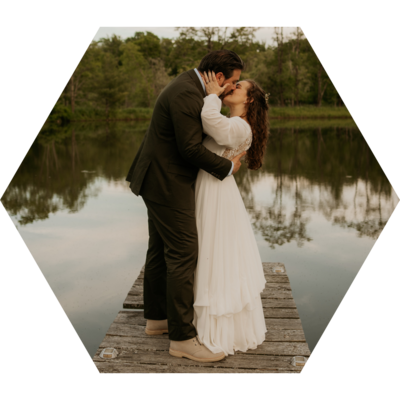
(231, 153)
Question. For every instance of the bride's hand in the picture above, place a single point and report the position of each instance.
(211, 84)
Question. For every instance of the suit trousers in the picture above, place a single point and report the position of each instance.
(171, 261)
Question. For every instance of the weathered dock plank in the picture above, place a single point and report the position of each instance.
(240, 361)
(141, 353)
(162, 344)
(109, 367)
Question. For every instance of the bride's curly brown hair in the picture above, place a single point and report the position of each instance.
(258, 117)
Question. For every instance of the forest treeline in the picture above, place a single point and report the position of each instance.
(119, 78)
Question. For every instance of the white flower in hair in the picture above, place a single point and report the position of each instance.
(267, 96)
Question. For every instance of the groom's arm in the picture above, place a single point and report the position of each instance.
(185, 109)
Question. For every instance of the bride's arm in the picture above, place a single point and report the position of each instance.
(229, 132)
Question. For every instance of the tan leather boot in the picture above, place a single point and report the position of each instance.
(154, 327)
(194, 350)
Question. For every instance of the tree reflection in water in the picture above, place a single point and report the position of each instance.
(63, 167)
(329, 171)
(308, 169)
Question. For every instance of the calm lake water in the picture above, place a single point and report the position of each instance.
(318, 205)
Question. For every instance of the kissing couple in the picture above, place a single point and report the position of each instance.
(203, 275)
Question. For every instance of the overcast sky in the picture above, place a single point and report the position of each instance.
(265, 34)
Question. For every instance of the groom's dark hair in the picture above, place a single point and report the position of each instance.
(225, 61)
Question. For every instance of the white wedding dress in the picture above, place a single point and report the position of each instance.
(229, 277)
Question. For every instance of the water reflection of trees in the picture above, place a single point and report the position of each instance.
(282, 226)
(373, 211)
(63, 166)
(329, 171)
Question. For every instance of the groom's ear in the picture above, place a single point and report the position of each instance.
(220, 78)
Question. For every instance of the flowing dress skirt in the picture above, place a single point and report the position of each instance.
(229, 277)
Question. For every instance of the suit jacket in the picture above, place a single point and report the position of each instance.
(166, 165)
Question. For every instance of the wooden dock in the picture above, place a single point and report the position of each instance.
(284, 350)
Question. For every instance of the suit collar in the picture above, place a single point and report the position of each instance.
(196, 80)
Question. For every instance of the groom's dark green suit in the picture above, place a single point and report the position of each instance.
(164, 173)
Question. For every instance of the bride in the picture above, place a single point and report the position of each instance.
(229, 277)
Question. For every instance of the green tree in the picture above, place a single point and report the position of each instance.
(134, 67)
(280, 58)
(297, 63)
(148, 43)
(241, 40)
(213, 38)
(109, 88)
(216, 38)
(186, 54)
(59, 113)
(112, 45)
(145, 78)
(167, 47)
(319, 77)
(79, 84)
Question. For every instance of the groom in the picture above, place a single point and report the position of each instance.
(164, 173)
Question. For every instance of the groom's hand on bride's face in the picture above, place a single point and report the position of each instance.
(213, 84)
